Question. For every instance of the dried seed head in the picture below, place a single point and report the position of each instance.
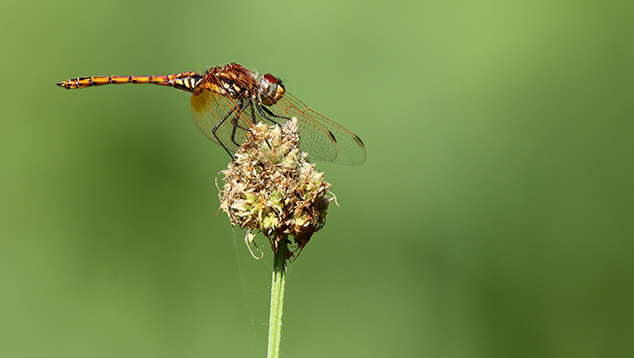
(271, 188)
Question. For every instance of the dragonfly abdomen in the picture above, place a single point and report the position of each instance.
(185, 81)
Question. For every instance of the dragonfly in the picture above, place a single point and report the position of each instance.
(227, 100)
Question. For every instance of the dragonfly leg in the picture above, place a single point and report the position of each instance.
(268, 115)
(236, 124)
(234, 113)
(215, 129)
(253, 119)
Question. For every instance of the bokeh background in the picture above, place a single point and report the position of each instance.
(494, 216)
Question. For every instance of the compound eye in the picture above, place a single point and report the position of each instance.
(271, 89)
(270, 78)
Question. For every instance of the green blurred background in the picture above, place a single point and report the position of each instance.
(494, 216)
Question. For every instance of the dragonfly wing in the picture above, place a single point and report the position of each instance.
(321, 138)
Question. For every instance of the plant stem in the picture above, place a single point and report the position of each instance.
(277, 299)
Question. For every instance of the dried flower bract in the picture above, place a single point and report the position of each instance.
(271, 188)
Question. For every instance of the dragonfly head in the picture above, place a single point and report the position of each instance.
(271, 89)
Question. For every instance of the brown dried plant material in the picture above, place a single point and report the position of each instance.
(271, 188)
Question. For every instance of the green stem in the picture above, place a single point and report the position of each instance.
(277, 299)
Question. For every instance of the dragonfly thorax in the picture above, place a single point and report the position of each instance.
(228, 87)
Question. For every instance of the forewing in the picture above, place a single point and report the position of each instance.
(321, 138)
